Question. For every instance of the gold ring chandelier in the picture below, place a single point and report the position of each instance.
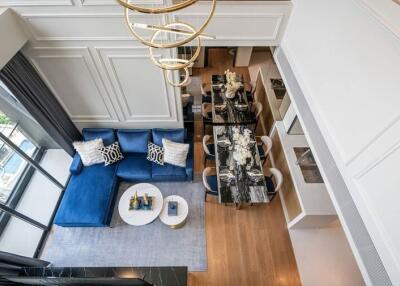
(174, 28)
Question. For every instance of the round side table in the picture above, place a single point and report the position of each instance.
(179, 220)
(140, 217)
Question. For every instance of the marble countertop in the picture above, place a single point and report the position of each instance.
(160, 276)
(313, 197)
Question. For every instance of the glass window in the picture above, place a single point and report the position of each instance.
(12, 165)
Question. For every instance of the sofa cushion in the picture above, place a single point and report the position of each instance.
(133, 141)
(167, 172)
(88, 199)
(176, 135)
(107, 134)
(89, 151)
(134, 167)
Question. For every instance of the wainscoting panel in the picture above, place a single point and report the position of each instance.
(74, 79)
(78, 27)
(139, 86)
(104, 77)
(36, 2)
(114, 3)
(239, 26)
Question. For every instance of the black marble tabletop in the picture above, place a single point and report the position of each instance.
(157, 276)
(229, 111)
(240, 178)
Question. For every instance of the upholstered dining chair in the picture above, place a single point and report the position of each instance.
(273, 188)
(205, 95)
(206, 112)
(264, 148)
(257, 109)
(249, 89)
(209, 149)
(210, 182)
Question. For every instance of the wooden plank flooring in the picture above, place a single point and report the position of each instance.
(250, 246)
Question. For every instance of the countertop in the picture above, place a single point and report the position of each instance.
(313, 197)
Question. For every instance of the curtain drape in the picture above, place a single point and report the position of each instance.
(22, 79)
(10, 264)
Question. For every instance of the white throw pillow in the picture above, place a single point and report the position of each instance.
(89, 151)
(175, 153)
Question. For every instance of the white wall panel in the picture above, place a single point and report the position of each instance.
(104, 77)
(114, 3)
(73, 27)
(241, 23)
(36, 2)
(73, 77)
(348, 72)
(142, 92)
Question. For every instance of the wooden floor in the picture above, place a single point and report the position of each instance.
(250, 246)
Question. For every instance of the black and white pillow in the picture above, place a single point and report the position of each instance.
(111, 154)
(155, 154)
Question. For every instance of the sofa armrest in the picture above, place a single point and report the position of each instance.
(76, 165)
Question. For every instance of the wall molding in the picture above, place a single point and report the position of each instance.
(278, 16)
(37, 3)
(113, 2)
(82, 53)
(29, 17)
(118, 90)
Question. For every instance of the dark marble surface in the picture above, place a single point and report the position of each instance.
(159, 276)
(238, 183)
(229, 111)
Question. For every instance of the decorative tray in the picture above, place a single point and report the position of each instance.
(142, 206)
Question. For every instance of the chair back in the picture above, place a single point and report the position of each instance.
(258, 108)
(204, 108)
(267, 142)
(206, 172)
(206, 138)
(204, 87)
(278, 178)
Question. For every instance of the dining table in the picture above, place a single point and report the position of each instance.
(240, 175)
(227, 110)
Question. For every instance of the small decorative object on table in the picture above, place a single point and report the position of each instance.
(134, 202)
(141, 203)
(172, 208)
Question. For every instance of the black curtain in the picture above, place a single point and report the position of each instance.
(24, 82)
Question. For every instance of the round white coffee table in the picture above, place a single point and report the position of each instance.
(140, 217)
(180, 219)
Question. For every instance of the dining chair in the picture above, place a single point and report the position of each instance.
(209, 149)
(210, 182)
(206, 112)
(264, 148)
(273, 188)
(257, 109)
(205, 95)
(249, 90)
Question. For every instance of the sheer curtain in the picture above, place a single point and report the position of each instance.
(22, 79)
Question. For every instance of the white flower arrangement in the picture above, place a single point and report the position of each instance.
(231, 84)
(242, 145)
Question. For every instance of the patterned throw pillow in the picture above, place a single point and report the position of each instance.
(89, 151)
(111, 153)
(155, 154)
(175, 153)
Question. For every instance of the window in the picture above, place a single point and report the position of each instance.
(12, 166)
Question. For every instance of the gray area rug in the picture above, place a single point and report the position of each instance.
(123, 245)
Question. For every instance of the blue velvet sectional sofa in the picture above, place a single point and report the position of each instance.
(91, 191)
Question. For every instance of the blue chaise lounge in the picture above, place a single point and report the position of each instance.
(91, 191)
